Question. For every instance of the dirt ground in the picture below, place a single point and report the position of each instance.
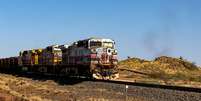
(38, 88)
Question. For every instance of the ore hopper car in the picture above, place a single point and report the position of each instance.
(9, 65)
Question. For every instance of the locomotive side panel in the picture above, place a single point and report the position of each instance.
(52, 55)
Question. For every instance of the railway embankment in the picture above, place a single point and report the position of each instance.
(162, 70)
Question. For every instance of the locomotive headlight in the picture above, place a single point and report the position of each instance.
(115, 52)
(109, 51)
(93, 51)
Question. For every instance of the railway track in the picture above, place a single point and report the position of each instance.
(121, 82)
(171, 87)
(150, 92)
(129, 83)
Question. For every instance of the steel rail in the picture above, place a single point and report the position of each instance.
(158, 86)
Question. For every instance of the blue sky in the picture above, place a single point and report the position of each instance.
(141, 28)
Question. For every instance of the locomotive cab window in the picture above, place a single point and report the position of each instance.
(101, 44)
(95, 44)
(82, 44)
(108, 44)
(25, 53)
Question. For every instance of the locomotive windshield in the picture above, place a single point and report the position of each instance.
(95, 44)
(108, 44)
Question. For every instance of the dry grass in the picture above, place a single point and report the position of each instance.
(5, 85)
(37, 98)
(28, 89)
(172, 71)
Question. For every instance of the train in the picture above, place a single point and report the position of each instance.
(94, 58)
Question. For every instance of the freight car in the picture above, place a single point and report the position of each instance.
(9, 64)
(94, 57)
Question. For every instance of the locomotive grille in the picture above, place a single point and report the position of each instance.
(105, 58)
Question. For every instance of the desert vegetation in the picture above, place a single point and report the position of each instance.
(162, 70)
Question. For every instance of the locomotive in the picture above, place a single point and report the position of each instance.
(93, 57)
